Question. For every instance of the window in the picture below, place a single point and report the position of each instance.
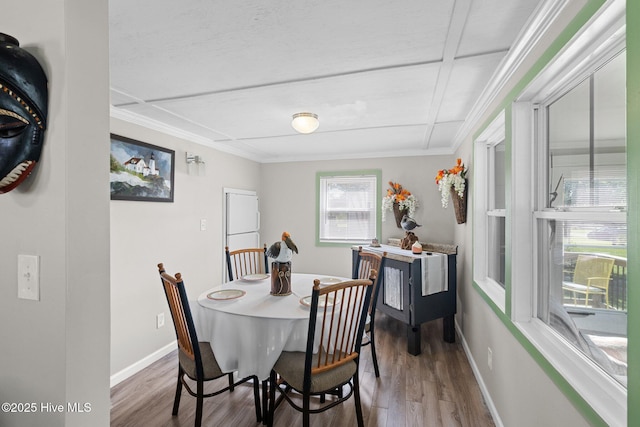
(566, 215)
(496, 213)
(348, 206)
(581, 219)
(490, 196)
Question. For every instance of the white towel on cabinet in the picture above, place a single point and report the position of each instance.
(434, 274)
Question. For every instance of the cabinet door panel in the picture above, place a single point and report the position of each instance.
(395, 299)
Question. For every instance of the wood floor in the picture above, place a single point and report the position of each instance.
(436, 388)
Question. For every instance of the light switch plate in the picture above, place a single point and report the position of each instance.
(29, 277)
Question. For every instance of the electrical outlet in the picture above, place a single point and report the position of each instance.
(203, 225)
(490, 358)
(159, 320)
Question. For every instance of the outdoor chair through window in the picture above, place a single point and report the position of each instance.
(591, 278)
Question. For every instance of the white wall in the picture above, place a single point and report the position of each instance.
(288, 203)
(57, 349)
(146, 233)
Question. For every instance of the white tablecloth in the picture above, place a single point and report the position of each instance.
(249, 333)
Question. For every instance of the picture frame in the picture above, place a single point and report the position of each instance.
(140, 171)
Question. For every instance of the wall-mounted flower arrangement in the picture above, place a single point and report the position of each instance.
(400, 201)
(455, 178)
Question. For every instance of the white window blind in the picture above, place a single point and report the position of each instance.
(347, 208)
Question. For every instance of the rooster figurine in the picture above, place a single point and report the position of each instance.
(283, 250)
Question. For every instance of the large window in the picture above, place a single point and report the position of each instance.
(581, 219)
(566, 216)
(348, 207)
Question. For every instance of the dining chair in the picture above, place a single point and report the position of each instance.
(196, 359)
(331, 360)
(365, 263)
(246, 261)
(591, 277)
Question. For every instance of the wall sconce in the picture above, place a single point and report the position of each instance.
(194, 159)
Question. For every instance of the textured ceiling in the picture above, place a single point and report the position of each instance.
(385, 78)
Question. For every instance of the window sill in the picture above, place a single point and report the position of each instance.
(606, 396)
(493, 291)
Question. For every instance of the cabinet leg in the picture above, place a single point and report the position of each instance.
(448, 329)
(413, 340)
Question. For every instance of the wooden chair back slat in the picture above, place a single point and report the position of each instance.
(176, 307)
(341, 322)
(246, 261)
(367, 262)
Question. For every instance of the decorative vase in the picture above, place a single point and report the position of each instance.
(460, 204)
(397, 213)
(281, 278)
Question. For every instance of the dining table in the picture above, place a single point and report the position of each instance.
(249, 328)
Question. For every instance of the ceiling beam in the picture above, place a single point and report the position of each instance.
(454, 35)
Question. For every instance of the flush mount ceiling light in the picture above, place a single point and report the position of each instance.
(305, 122)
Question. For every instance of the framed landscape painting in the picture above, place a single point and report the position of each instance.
(140, 171)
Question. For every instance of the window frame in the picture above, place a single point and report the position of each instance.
(377, 173)
(492, 212)
(484, 197)
(580, 57)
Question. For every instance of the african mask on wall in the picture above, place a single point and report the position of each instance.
(23, 112)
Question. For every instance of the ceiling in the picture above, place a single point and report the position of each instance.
(385, 78)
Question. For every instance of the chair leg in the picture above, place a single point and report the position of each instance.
(272, 398)
(176, 400)
(373, 353)
(356, 397)
(256, 397)
(265, 401)
(231, 385)
(199, 399)
(306, 406)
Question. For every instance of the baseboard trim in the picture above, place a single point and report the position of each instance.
(136, 367)
(476, 373)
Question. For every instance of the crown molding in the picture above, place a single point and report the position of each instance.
(546, 13)
(159, 126)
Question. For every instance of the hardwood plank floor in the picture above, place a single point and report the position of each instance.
(436, 388)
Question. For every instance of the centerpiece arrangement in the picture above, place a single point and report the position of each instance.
(400, 201)
(455, 178)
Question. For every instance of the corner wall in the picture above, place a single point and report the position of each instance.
(56, 350)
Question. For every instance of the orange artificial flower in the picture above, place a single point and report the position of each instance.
(401, 196)
(453, 179)
(458, 169)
